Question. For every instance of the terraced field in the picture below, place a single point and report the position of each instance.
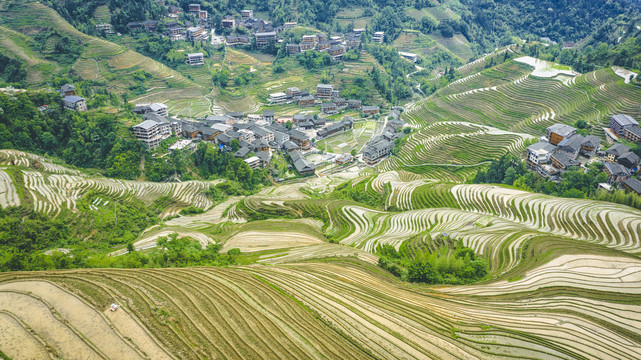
(51, 187)
(514, 101)
(564, 284)
(340, 309)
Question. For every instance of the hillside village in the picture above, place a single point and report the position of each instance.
(562, 148)
(255, 138)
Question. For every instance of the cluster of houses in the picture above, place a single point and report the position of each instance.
(335, 46)
(326, 96)
(252, 138)
(381, 146)
(561, 148)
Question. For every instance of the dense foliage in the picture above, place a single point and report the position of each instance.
(12, 71)
(415, 262)
(574, 183)
(214, 163)
(84, 139)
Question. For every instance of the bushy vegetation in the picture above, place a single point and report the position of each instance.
(415, 262)
(84, 139)
(360, 192)
(12, 71)
(575, 183)
(213, 163)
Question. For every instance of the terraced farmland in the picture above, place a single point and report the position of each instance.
(358, 312)
(512, 102)
(54, 187)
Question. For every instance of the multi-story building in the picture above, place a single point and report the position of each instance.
(371, 110)
(228, 23)
(557, 132)
(289, 25)
(195, 59)
(194, 8)
(246, 14)
(633, 185)
(300, 138)
(324, 91)
(619, 122)
(306, 46)
(306, 101)
(152, 131)
(632, 134)
(309, 39)
(264, 38)
(197, 33)
(277, 98)
(616, 150)
(336, 52)
(376, 151)
(293, 49)
(539, 153)
(268, 115)
(75, 103)
(329, 108)
(67, 90)
(293, 91)
(378, 37)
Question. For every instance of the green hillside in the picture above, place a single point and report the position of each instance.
(104, 63)
(492, 112)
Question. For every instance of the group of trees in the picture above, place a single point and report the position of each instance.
(415, 262)
(84, 139)
(574, 183)
(12, 71)
(215, 163)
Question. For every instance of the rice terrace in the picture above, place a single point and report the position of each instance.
(451, 179)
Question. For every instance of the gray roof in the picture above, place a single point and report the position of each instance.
(565, 160)
(195, 55)
(260, 143)
(263, 155)
(73, 99)
(542, 146)
(224, 138)
(325, 86)
(296, 155)
(147, 124)
(635, 130)
(290, 145)
(308, 97)
(624, 120)
(267, 33)
(67, 87)
(573, 142)
(616, 170)
(299, 135)
(328, 105)
(242, 152)
(561, 129)
(630, 157)
(155, 117)
(371, 107)
(268, 113)
(634, 184)
(618, 149)
(592, 141)
(260, 131)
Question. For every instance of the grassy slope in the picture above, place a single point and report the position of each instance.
(101, 60)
